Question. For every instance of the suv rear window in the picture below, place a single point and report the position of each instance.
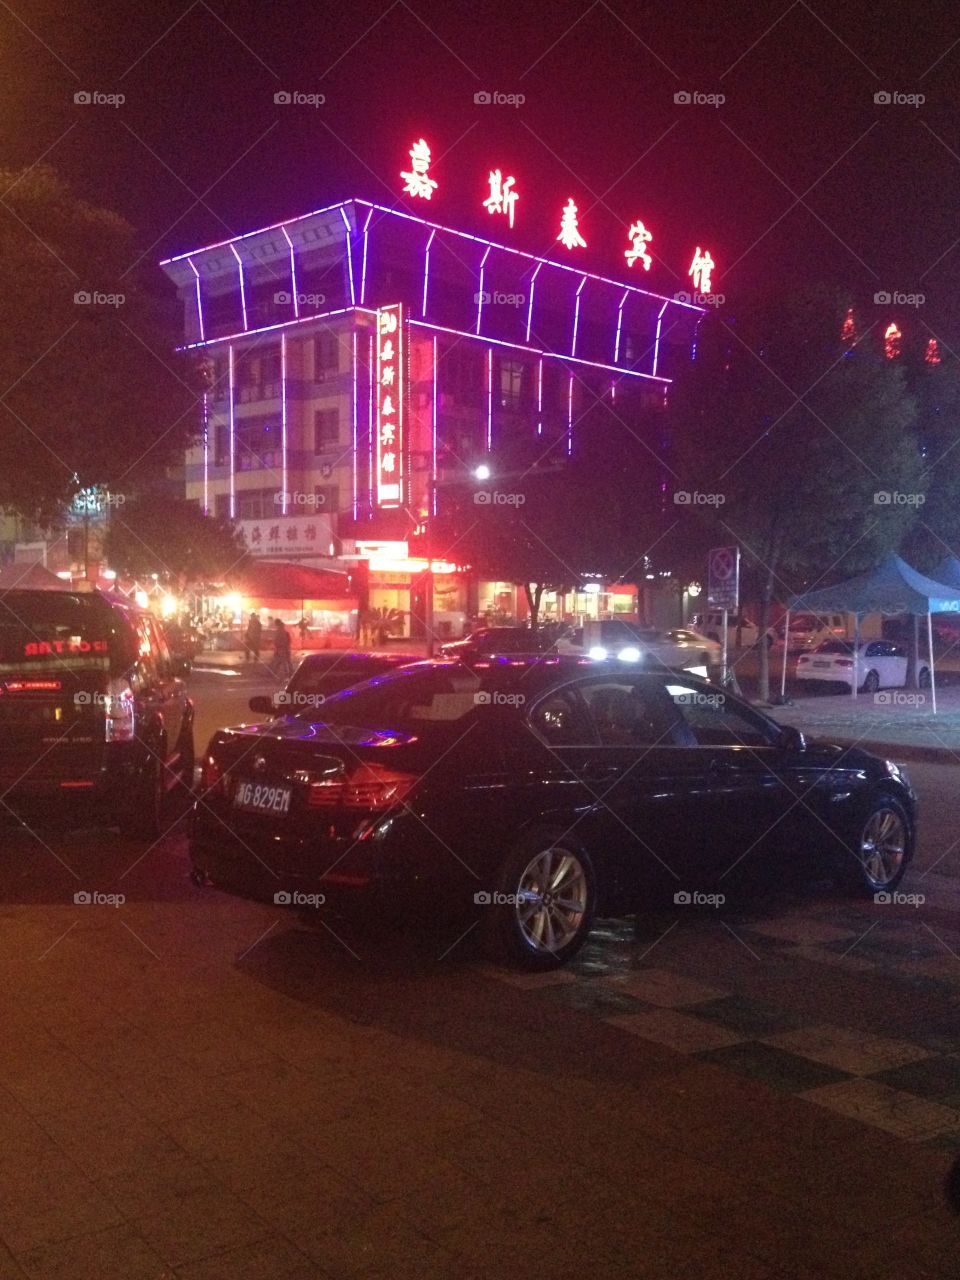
(53, 630)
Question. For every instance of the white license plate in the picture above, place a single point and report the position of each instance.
(822, 665)
(261, 797)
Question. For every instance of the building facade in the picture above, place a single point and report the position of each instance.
(357, 359)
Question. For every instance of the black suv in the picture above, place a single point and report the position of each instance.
(92, 707)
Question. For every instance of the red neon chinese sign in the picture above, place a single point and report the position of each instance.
(389, 423)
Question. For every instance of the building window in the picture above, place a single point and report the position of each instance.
(511, 384)
(258, 504)
(326, 354)
(258, 443)
(326, 430)
(327, 498)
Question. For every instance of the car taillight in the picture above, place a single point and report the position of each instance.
(843, 662)
(120, 714)
(368, 786)
(210, 773)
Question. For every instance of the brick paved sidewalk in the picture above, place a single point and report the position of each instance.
(204, 1092)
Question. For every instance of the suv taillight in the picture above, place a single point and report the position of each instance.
(368, 786)
(120, 714)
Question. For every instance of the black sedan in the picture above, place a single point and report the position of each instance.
(486, 642)
(535, 795)
(321, 674)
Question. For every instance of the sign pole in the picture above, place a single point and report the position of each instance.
(723, 659)
(933, 678)
(786, 647)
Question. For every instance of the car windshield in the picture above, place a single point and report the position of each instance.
(315, 677)
(835, 646)
(410, 697)
(53, 630)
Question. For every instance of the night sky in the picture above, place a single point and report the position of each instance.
(799, 174)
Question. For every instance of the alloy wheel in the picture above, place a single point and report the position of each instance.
(551, 900)
(883, 847)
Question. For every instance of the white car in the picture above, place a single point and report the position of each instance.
(711, 624)
(877, 664)
(634, 641)
(698, 643)
(808, 631)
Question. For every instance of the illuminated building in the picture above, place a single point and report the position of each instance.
(364, 357)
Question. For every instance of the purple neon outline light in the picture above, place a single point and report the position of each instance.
(462, 235)
(616, 345)
(363, 269)
(346, 223)
(243, 291)
(199, 303)
(283, 423)
(533, 281)
(436, 415)
(355, 420)
(570, 417)
(426, 273)
(576, 316)
(540, 398)
(656, 341)
(537, 351)
(370, 414)
(483, 263)
(293, 274)
(206, 454)
(489, 398)
(281, 324)
(233, 429)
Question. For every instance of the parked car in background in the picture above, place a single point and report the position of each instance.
(875, 664)
(808, 630)
(472, 795)
(321, 674)
(635, 642)
(93, 708)
(686, 637)
(738, 625)
(487, 641)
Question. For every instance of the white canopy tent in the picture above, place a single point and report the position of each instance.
(893, 587)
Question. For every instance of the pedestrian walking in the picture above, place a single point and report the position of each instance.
(282, 664)
(252, 638)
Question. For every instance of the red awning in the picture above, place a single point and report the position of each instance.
(280, 580)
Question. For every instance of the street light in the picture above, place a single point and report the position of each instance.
(482, 472)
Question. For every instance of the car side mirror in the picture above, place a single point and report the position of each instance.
(791, 739)
(263, 703)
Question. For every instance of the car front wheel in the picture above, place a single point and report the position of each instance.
(871, 682)
(882, 850)
(541, 914)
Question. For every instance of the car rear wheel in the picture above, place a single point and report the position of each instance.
(871, 682)
(923, 679)
(541, 914)
(881, 851)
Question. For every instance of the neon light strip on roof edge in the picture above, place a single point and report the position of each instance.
(355, 419)
(537, 351)
(463, 235)
(426, 273)
(656, 341)
(199, 303)
(533, 284)
(270, 328)
(346, 223)
(483, 263)
(576, 318)
(363, 271)
(243, 291)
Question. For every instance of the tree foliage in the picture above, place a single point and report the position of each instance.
(89, 394)
(172, 538)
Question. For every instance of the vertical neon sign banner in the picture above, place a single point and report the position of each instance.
(389, 406)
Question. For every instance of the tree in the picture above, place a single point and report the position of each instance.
(172, 538)
(88, 392)
(801, 447)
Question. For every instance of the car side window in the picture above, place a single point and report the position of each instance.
(560, 720)
(716, 720)
(876, 650)
(626, 714)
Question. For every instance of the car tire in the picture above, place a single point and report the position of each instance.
(521, 929)
(923, 679)
(142, 818)
(881, 850)
(188, 758)
(871, 683)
